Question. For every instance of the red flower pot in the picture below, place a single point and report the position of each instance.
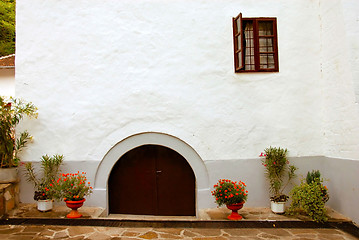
(235, 207)
(74, 205)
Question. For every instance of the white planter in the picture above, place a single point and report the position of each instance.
(277, 207)
(44, 205)
(8, 175)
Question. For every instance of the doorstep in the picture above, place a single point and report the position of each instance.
(27, 214)
(211, 214)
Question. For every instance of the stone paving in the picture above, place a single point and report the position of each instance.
(249, 214)
(104, 233)
(25, 232)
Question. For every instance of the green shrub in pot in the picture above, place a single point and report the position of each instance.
(44, 182)
(278, 172)
(12, 110)
(309, 198)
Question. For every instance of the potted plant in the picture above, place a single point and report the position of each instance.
(310, 197)
(232, 194)
(72, 188)
(314, 177)
(279, 174)
(44, 184)
(11, 112)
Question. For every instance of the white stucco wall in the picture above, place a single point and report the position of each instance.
(339, 57)
(100, 72)
(7, 82)
(166, 67)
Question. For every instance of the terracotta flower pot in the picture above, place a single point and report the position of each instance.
(234, 208)
(74, 205)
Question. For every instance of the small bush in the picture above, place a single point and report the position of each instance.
(313, 176)
(307, 198)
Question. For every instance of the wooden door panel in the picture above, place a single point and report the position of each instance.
(175, 184)
(152, 180)
(132, 184)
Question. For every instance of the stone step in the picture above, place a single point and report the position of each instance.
(9, 197)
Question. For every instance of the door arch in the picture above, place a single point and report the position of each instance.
(152, 180)
(103, 171)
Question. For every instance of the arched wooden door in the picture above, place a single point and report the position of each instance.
(152, 180)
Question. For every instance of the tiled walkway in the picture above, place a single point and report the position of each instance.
(44, 230)
(102, 233)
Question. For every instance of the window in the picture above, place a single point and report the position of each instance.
(255, 44)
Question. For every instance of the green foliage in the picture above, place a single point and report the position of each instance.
(72, 186)
(7, 27)
(11, 112)
(229, 192)
(277, 170)
(307, 198)
(44, 185)
(313, 176)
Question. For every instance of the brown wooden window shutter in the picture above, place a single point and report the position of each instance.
(238, 42)
(255, 44)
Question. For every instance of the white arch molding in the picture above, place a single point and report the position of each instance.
(100, 195)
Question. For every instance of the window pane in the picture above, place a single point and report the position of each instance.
(248, 46)
(239, 55)
(266, 61)
(239, 26)
(239, 43)
(265, 28)
(265, 44)
(249, 67)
